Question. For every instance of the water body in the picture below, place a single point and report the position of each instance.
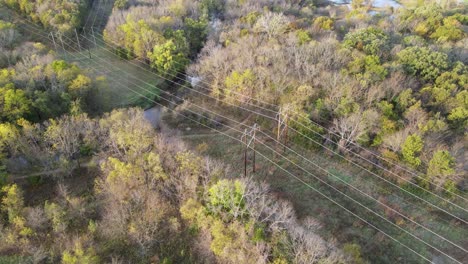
(153, 116)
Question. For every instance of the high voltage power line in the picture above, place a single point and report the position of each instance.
(318, 143)
(218, 131)
(309, 129)
(257, 113)
(311, 139)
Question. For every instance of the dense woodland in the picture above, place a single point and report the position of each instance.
(153, 200)
(395, 81)
(150, 200)
(61, 15)
(392, 80)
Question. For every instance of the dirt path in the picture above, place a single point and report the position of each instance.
(16, 177)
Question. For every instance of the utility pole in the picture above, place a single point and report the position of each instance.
(94, 37)
(63, 46)
(283, 125)
(53, 40)
(252, 133)
(244, 138)
(77, 40)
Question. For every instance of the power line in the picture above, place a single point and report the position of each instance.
(317, 124)
(319, 134)
(332, 132)
(189, 88)
(350, 161)
(387, 220)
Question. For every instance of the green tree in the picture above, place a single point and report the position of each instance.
(196, 32)
(80, 255)
(80, 86)
(167, 59)
(451, 31)
(12, 201)
(323, 22)
(372, 41)
(303, 36)
(423, 62)
(411, 148)
(368, 69)
(138, 37)
(227, 197)
(239, 83)
(15, 103)
(214, 8)
(121, 4)
(440, 167)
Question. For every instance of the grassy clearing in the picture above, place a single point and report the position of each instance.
(121, 76)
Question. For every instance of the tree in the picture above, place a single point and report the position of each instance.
(213, 8)
(121, 4)
(440, 167)
(196, 32)
(167, 60)
(423, 62)
(411, 148)
(227, 197)
(64, 135)
(80, 255)
(138, 37)
(8, 135)
(349, 129)
(272, 24)
(15, 103)
(239, 83)
(458, 116)
(130, 135)
(372, 41)
(451, 31)
(80, 86)
(60, 15)
(324, 23)
(8, 34)
(12, 201)
(368, 69)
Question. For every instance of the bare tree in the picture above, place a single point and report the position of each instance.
(349, 129)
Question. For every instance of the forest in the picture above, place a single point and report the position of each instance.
(86, 177)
